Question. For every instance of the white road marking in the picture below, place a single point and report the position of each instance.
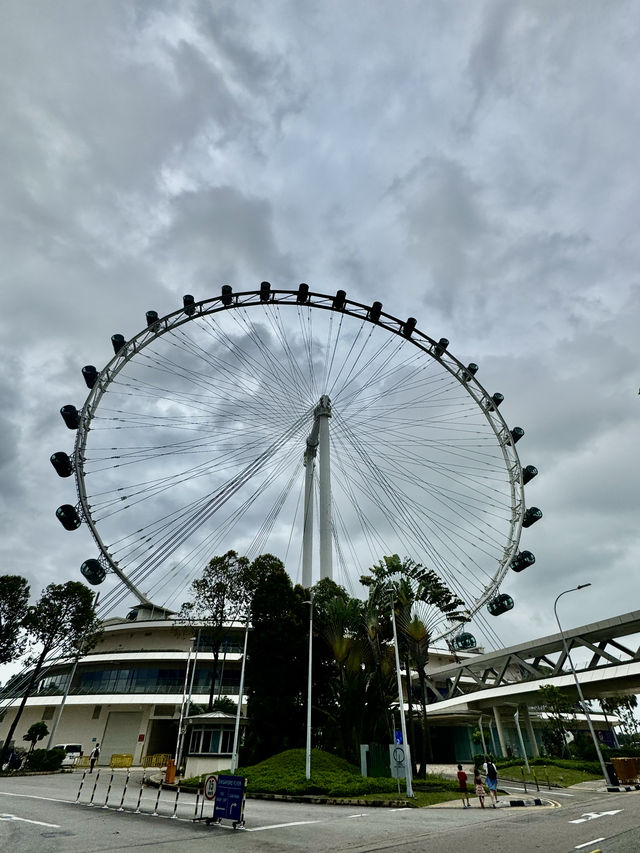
(26, 820)
(281, 825)
(350, 816)
(589, 843)
(539, 793)
(593, 815)
(33, 797)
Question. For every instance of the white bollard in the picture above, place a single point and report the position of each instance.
(81, 784)
(106, 802)
(95, 785)
(124, 790)
(140, 791)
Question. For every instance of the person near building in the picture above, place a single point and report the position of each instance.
(94, 755)
(479, 786)
(492, 782)
(462, 784)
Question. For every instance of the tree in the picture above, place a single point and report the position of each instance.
(420, 599)
(559, 708)
(63, 620)
(276, 666)
(14, 597)
(35, 733)
(623, 707)
(221, 595)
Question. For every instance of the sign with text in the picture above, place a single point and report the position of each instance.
(230, 794)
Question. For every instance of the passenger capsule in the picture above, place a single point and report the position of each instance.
(500, 604)
(117, 342)
(68, 517)
(464, 641)
(516, 434)
(265, 291)
(226, 294)
(93, 571)
(528, 473)
(440, 347)
(303, 294)
(409, 326)
(521, 561)
(189, 304)
(62, 463)
(470, 371)
(152, 318)
(375, 311)
(70, 416)
(339, 300)
(497, 398)
(90, 375)
(532, 515)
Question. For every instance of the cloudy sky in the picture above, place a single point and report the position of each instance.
(471, 164)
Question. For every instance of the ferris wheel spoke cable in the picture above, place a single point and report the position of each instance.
(283, 378)
(413, 523)
(175, 538)
(391, 475)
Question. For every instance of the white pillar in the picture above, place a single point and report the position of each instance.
(323, 413)
(500, 730)
(307, 530)
(530, 732)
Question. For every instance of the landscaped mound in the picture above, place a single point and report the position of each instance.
(330, 776)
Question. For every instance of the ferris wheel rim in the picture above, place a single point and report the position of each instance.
(291, 298)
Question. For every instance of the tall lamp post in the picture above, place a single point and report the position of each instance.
(307, 770)
(575, 678)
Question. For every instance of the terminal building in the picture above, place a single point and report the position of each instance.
(129, 692)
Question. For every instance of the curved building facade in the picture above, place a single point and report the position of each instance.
(127, 694)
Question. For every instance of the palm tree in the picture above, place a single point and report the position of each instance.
(420, 600)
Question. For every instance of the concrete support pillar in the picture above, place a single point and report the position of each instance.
(500, 730)
(533, 743)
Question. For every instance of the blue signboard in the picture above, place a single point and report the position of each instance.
(229, 802)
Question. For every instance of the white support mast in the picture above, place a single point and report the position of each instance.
(318, 438)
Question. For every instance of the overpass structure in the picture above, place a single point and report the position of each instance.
(505, 684)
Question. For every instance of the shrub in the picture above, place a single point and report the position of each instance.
(44, 759)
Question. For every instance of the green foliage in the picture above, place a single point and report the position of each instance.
(276, 670)
(14, 597)
(36, 732)
(225, 704)
(220, 595)
(44, 759)
(63, 619)
(560, 709)
(330, 776)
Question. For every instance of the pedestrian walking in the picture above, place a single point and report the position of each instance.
(492, 782)
(462, 784)
(480, 792)
(94, 755)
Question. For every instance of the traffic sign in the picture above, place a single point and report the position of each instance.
(210, 785)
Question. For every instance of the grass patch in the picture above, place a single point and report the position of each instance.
(332, 777)
(560, 773)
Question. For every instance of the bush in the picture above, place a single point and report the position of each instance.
(44, 759)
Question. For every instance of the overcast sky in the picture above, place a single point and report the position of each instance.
(472, 164)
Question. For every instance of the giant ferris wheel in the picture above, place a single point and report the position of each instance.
(322, 430)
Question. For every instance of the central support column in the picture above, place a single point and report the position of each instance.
(318, 438)
(322, 414)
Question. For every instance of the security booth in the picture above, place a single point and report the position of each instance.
(208, 744)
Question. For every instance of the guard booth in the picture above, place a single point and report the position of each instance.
(208, 744)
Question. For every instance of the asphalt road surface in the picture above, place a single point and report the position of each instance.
(39, 814)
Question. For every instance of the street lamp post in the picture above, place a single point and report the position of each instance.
(575, 678)
(309, 683)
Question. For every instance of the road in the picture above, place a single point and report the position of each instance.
(38, 814)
